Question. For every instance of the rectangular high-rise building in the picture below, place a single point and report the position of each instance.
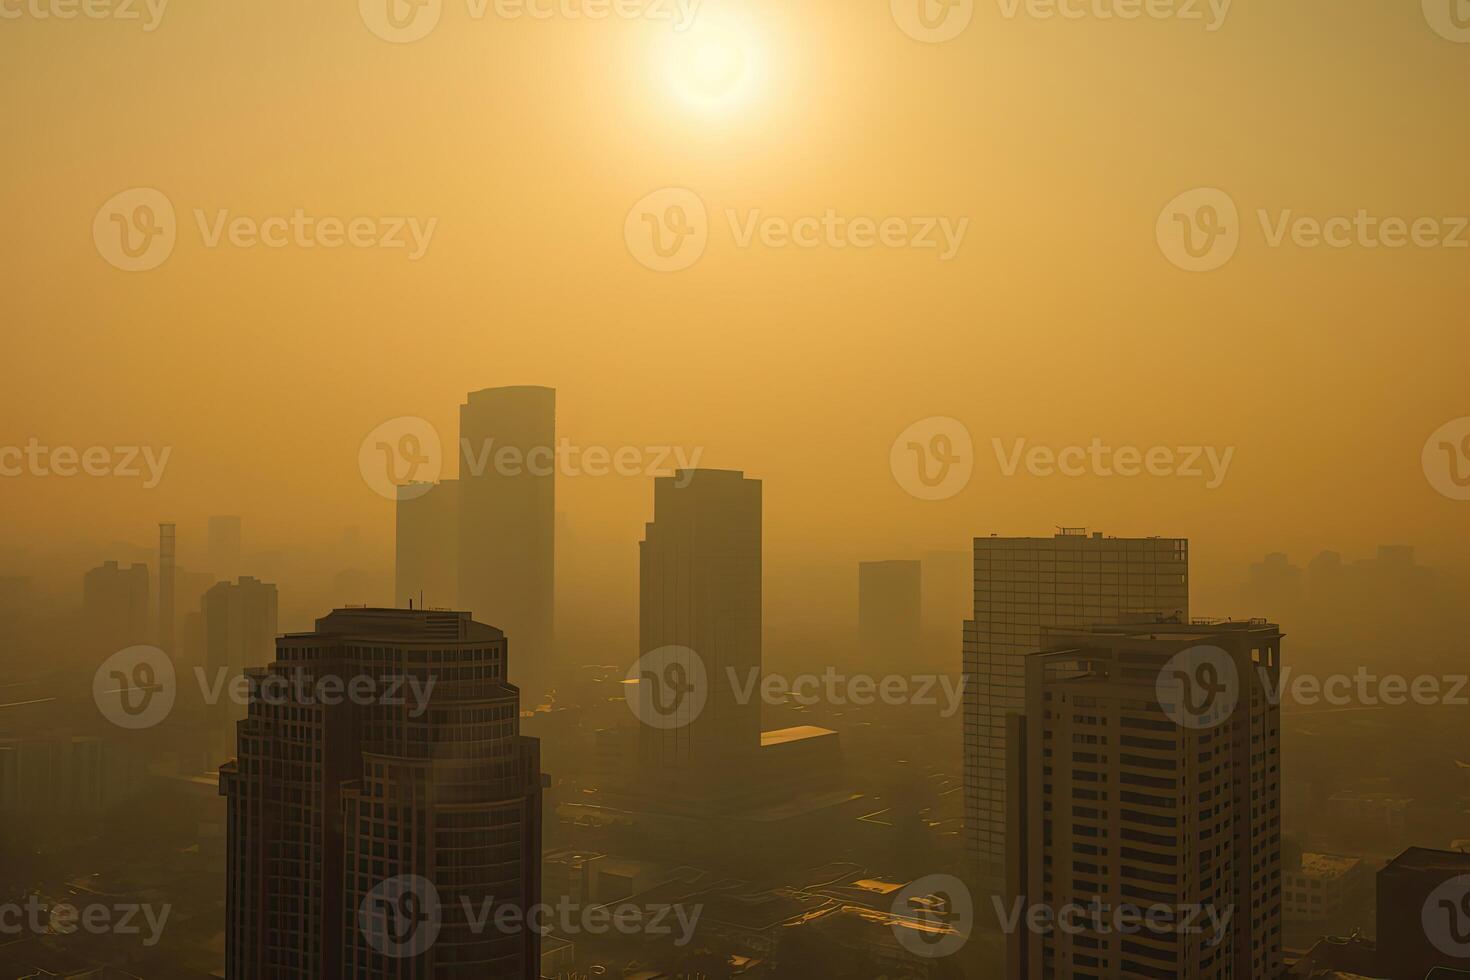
(238, 624)
(426, 549)
(890, 613)
(114, 608)
(167, 585)
(1146, 803)
(239, 621)
(382, 803)
(507, 523)
(224, 546)
(1021, 586)
(699, 627)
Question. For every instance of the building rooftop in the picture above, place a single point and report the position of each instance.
(1327, 866)
(1428, 859)
(427, 624)
(781, 736)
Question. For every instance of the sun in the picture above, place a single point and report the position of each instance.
(717, 66)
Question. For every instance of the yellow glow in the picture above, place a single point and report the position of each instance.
(718, 65)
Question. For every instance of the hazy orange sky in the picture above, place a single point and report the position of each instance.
(1059, 319)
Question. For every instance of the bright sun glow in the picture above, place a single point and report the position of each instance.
(717, 66)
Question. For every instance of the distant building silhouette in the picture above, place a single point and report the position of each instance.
(167, 586)
(949, 585)
(700, 603)
(224, 547)
(1124, 799)
(239, 623)
(115, 613)
(1275, 587)
(344, 819)
(1021, 586)
(507, 523)
(700, 589)
(426, 563)
(890, 613)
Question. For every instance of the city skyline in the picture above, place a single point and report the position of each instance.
(735, 490)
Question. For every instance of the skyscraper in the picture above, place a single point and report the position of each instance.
(223, 541)
(426, 553)
(700, 590)
(368, 832)
(239, 625)
(1021, 586)
(507, 526)
(949, 587)
(114, 608)
(1153, 800)
(890, 617)
(238, 621)
(167, 587)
